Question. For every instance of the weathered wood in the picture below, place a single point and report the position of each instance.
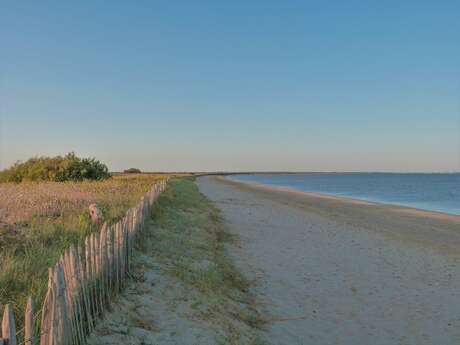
(29, 338)
(125, 248)
(117, 257)
(122, 253)
(74, 308)
(75, 293)
(61, 331)
(47, 310)
(120, 258)
(67, 283)
(102, 253)
(99, 278)
(141, 213)
(110, 258)
(130, 236)
(114, 253)
(106, 265)
(8, 326)
(81, 267)
(128, 241)
(68, 279)
(91, 280)
(56, 318)
(90, 275)
(124, 225)
(95, 264)
(88, 266)
(122, 274)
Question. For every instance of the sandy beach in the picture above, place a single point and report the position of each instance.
(337, 271)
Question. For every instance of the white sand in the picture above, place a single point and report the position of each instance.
(328, 272)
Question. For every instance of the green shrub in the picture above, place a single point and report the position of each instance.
(59, 169)
(132, 171)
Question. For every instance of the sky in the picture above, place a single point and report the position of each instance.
(233, 85)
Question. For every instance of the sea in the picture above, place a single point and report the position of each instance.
(433, 192)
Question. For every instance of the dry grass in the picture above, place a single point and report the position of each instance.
(39, 220)
(20, 202)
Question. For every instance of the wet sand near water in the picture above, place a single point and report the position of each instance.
(331, 271)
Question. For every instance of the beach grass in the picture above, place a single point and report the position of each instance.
(188, 235)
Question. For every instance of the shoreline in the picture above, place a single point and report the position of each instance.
(348, 200)
(436, 232)
(332, 269)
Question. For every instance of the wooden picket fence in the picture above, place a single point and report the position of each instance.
(83, 281)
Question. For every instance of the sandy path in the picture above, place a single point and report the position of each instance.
(153, 309)
(334, 274)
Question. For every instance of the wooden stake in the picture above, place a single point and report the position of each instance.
(85, 291)
(29, 323)
(8, 326)
(47, 311)
(76, 296)
(110, 257)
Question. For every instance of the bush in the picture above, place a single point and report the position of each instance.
(59, 169)
(132, 171)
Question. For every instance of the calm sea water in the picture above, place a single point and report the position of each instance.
(434, 192)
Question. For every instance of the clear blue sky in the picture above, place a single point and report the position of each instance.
(233, 85)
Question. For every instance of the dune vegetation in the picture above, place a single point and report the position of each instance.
(58, 169)
(186, 239)
(39, 219)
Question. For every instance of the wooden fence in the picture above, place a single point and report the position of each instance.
(82, 282)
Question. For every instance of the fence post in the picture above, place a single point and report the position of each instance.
(90, 277)
(68, 294)
(60, 330)
(84, 288)
(29, 323)
(103, 265)
(97, 273)
(76, 296)
(110, 267)
(8, 326)
(47, 311)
